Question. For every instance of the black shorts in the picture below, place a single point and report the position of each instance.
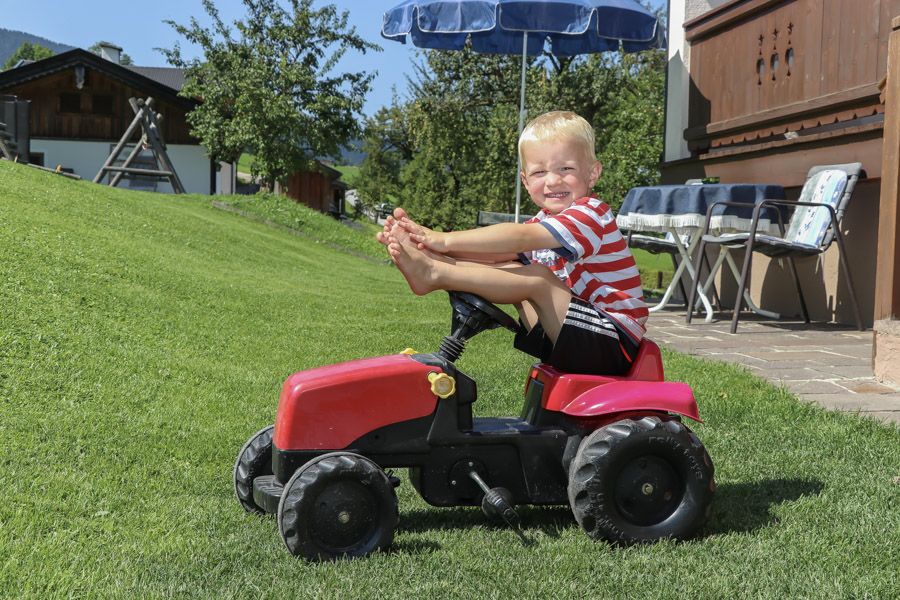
(589, 343)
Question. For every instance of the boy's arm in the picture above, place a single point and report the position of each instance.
(504, 239)
(411, 227)
(488, 258)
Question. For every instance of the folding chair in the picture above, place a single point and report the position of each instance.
(814, 225)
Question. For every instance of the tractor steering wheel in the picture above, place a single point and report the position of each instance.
(474, 303)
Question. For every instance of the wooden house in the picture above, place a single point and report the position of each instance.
(318, 187)
(79, 110)
(762, 90)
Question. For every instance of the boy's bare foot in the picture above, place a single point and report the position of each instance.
(416, 266)
(400, 226)
(384, 235)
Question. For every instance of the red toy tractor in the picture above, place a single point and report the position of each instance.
(612, 448)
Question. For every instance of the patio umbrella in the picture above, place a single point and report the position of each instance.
(564, 27)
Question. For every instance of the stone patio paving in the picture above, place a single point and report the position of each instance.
(819, 362)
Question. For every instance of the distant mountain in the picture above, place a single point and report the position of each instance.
(11, 40)
(352, 153)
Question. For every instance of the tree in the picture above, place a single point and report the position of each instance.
(631, 144)
(270, 87)
(451, 149)
(387, 147)
(460, 124)
(124, 59)
(27, 51)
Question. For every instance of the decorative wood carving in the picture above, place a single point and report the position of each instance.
(806, 56)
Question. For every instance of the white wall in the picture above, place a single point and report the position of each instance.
(85, 159)
(679, 78)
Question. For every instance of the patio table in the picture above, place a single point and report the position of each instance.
(681, 211)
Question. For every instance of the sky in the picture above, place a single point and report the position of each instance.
(138, 31)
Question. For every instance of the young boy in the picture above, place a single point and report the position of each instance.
(568, 270)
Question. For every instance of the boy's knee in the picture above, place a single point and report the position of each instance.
(538, 270)
(544, 274)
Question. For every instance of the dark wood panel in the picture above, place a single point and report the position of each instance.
(785, 163)
(726, 15)
(49, 121)
(830, 46)
(776, 61)
(866, 95)
(889, 9)
(789, 46)
(887, 274)
(312, 189)
(808, 61)
(765, 26)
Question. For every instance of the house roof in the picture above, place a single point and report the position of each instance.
(168, 76)
(155, 81)
(332, 173)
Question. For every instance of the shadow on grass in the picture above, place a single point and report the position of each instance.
(737, 508)
(745, 507)
(414, 547)
(549, 520)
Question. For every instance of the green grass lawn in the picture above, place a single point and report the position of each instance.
(245, 163)
(354, 237)
(144, 338)
(656, 269)
(349, 174)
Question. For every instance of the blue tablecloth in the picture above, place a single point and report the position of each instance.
(683, 207)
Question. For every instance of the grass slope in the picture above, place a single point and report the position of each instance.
(144, 338)
(357, 237)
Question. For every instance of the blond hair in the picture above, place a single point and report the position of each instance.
(559, 125)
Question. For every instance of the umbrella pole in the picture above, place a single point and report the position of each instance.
(521, 123)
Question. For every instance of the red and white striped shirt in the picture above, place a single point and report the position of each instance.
(595, 262)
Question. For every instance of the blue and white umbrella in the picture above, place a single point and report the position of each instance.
(563, 27)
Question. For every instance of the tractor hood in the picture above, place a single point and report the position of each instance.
(327, 408)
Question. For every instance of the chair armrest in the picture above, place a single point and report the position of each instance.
(830, 208)
(798, 203)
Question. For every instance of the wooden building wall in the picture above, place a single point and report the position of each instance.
(776, 87)
(314, 189)
(103, 113)
(761, 69)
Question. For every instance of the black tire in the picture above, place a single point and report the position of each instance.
(338, 505)
(641, 481)
(254, 460)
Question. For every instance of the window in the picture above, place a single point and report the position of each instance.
(36, 158)
(70, 103)
(102, 104)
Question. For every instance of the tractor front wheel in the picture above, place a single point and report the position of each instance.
(254, 460)
(338, 505)
(641, 481)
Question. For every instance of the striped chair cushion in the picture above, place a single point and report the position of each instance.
(809, 223)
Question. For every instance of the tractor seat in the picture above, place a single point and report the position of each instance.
(647, 365)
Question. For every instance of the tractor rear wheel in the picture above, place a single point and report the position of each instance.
(254, 460)
(641, 481)
(338, 505)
